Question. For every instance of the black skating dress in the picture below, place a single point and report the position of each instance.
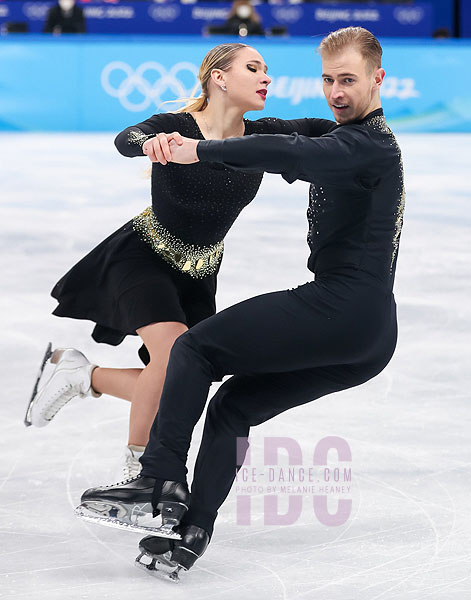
(162, 265)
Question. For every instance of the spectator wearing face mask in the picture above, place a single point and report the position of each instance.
(65, 17)
(243, 19)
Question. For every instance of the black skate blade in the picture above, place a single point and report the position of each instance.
(47, 356)
(166, 532)
(159, 567)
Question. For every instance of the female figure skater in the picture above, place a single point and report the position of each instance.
(156, 275)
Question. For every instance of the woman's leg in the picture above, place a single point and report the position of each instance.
(159, 339)
(119, 383)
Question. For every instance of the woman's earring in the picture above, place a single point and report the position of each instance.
(223, 88)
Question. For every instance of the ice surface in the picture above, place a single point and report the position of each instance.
(409, 533)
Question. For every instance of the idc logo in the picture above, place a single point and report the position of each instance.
(411, 15)
(323, 486)
(147, 85)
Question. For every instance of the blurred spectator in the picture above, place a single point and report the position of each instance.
(243, 20)
(14, 27)
(65, 17)
(441, 34)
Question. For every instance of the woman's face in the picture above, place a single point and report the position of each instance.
(247, 80)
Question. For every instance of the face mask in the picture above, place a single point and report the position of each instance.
(244, 11)
(66, 4)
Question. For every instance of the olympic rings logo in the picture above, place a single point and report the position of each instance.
(142, 83)
(287, 14)
(36, 11)
(409, 15)
(167, 13)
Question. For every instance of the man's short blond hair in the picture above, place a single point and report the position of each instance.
(362, 39)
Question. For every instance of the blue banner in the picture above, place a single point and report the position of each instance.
(391, 20)
(465, 18)
(86, 83)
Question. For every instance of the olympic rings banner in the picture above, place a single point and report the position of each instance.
(94, 84)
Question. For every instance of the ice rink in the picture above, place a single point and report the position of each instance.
(409, 533)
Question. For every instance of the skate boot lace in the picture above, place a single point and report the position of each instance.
(64, 395)
(122, 482)
(132, 468)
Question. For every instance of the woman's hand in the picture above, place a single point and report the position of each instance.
(184, 150)
(158, 148)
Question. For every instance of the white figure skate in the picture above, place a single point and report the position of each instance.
(132, 466)
(71, 378)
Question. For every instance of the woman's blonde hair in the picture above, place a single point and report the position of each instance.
(362, 39)
(220, 57)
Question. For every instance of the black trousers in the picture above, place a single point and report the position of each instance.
(284, 349)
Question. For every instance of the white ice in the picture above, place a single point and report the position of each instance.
(409, 533)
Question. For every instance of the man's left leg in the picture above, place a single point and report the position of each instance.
(240, 403)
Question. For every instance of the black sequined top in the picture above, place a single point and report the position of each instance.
(356, 195)
(198, 203)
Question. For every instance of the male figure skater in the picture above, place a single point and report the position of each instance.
(285, 348)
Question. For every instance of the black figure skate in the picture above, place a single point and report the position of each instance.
(166, 558)
(129, 505)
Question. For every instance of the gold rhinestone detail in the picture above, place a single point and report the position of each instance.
(196, 261)
(139, 137)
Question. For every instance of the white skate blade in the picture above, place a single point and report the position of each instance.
(47, 356)
(158, 567)
(85, 514)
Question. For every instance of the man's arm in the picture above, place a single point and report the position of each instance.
(333, 156)
(310, 127)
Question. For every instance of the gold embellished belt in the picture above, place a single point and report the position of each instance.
(196, 261)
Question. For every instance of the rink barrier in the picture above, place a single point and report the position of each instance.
(94, 83)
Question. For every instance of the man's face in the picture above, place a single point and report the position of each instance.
(350, 87)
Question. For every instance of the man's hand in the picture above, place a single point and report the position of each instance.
(158, 149)
(184, 151)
